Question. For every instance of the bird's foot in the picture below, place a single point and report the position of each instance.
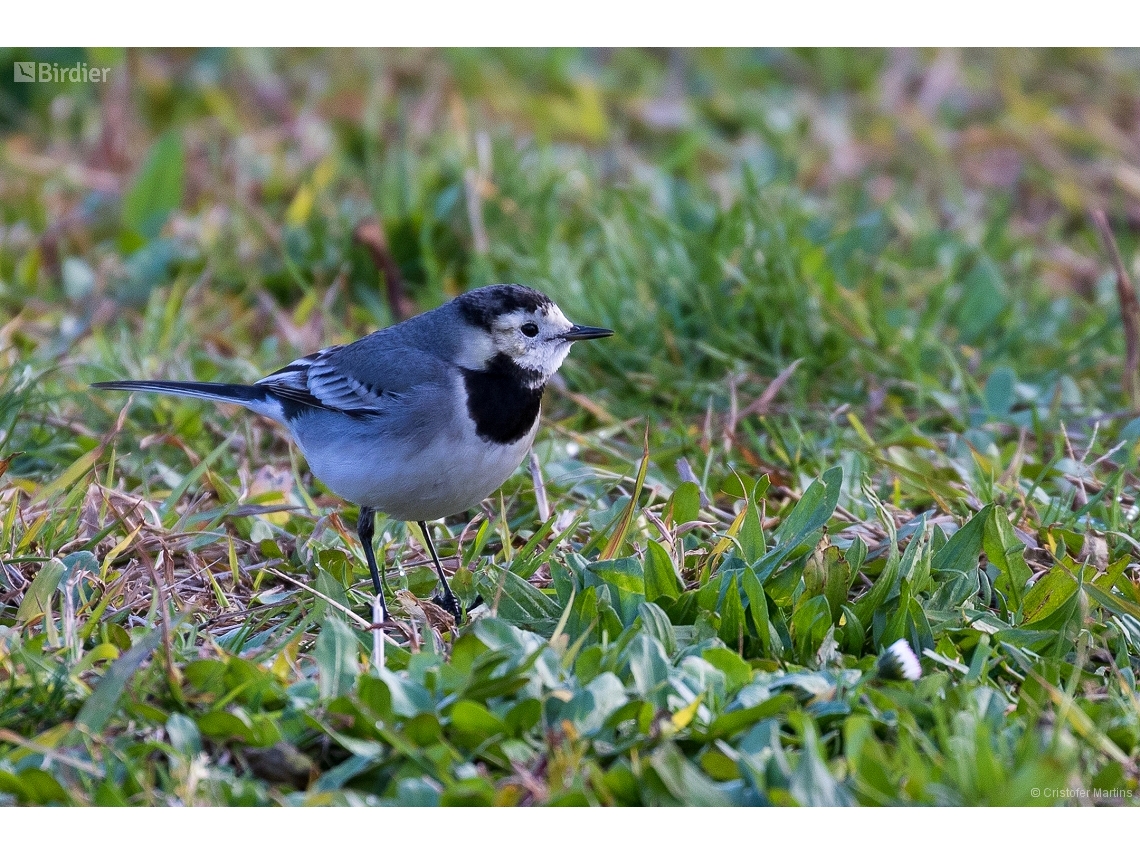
(448, 602)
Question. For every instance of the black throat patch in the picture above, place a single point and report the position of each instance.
(500, 400)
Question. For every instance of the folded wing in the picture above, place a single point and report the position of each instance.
(358, 386)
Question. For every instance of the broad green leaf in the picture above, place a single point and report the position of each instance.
(854, 632)
(157, 190)
(685, 502)
(80, 563)
(1111, 575)
(655, 622)
(733, 631)
(812, 783)
(883, 587)
(339, 775)
(979, 659)
(224, 725)
(330, 586)
(757, 608)
(737, 672)
(409, 699)
(915, 565)
(474, 718)
(584, 616)
(468, 792)
(733, 722)
(962, 550)
(898, 613)
(836, 586)
(183, 734)
(1006, 552)
(103, 703)
(952, 588)
(620, 781)
(738, 485)
(1048, 594)
(625, 574)
(998, 393)
(660, 576)
(592, 704)
(37, 600)
(705, 679)
(983, 300)
(337, 653)
(810, 622)
(855, 555)
(523, 716)
(609, 620)
(33, 787)
(920, 626)
(827, 572)
(416, 792)
(815, 569)
(517, 600)
(13, 784)
(627, 585)
(751, 537)
(649, 667)
(206, 675)
(684, 781)
(810, 514)
(1113, 602)
(498, 634)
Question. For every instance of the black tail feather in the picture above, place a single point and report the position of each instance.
(234, 393)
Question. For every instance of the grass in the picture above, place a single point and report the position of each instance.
(867, 385)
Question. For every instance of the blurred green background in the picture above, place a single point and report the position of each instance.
(894, 218)
(870, 211)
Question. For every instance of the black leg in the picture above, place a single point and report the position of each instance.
(445, 600)
(366, 529)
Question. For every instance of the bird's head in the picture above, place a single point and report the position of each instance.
(519, 324)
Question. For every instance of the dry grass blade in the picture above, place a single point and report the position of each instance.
(1079, 720)
(540, 498)
(361, 622)
(49, 753)
(1129, 310)
(619, 536)
(5, 461)
(370, 234)
(760, 406)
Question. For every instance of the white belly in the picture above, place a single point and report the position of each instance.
(453, 472)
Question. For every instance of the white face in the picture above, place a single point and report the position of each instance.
(533, 339)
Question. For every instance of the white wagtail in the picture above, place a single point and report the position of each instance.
(420, 420)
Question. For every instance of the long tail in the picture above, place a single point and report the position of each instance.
(255, 398)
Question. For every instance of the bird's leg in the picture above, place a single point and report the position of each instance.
(445, 600)
(366, 530)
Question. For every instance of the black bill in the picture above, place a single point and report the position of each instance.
(577, 333)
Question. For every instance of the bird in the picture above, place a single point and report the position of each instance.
(420, 420)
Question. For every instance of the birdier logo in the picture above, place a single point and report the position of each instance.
(53, 72)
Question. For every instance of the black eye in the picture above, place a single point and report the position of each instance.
(529, 330)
